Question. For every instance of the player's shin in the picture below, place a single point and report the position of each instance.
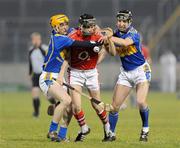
(103, 117)
(144, 113)
(113, 118)
(58, 112)
(102, 114)
(80, 117)
(52, 134)
(64, 124)
(53, 126)
(62, 132)
(36, 105)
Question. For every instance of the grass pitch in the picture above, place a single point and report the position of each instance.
(18, 129)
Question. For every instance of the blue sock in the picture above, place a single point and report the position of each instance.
(113, 118)
(53, 126)
(62, 132)
(144, 116)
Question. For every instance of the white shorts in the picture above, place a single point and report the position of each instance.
(46, 79)
(89, 78)
(133, 77)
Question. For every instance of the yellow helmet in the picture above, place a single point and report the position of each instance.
(58, 19)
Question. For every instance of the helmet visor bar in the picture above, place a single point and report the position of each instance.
(123, 16)
(88, 23)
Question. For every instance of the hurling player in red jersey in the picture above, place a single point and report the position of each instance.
(83, 72)
(145, 52)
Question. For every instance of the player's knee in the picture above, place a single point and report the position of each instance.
(66, 101)
(69, 109)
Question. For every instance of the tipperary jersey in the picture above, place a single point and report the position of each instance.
(131, 56)
(55, 56)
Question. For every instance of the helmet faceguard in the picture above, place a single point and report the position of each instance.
(59, 23)
(124, 15)
(86, 22)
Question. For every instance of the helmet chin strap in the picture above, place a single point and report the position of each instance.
(86, 33)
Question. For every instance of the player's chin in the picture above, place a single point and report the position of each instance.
(122, 29)
(64, 32)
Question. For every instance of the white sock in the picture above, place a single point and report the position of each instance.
(145, 129)
(113, 134)
(107, 128)
(84, 128)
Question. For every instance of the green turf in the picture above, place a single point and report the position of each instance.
(18, 129)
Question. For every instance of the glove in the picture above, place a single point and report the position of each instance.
(101, 105)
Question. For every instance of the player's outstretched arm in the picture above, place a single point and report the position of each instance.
(101, 55)
(122, 42)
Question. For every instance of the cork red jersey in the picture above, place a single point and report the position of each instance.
(83, 58)
(145, 52)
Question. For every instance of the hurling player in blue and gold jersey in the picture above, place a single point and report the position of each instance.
(51, 79)
(134, 71)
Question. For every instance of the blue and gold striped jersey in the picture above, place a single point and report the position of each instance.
(131, 56)
(55, 56)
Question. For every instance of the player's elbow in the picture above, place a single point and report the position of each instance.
(122, 43)
(125, 44)
(114, 52)
(111, 51)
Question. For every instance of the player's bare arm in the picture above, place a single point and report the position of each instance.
(62, 72)
(122, 42)
(110, 47)
(102, 54)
